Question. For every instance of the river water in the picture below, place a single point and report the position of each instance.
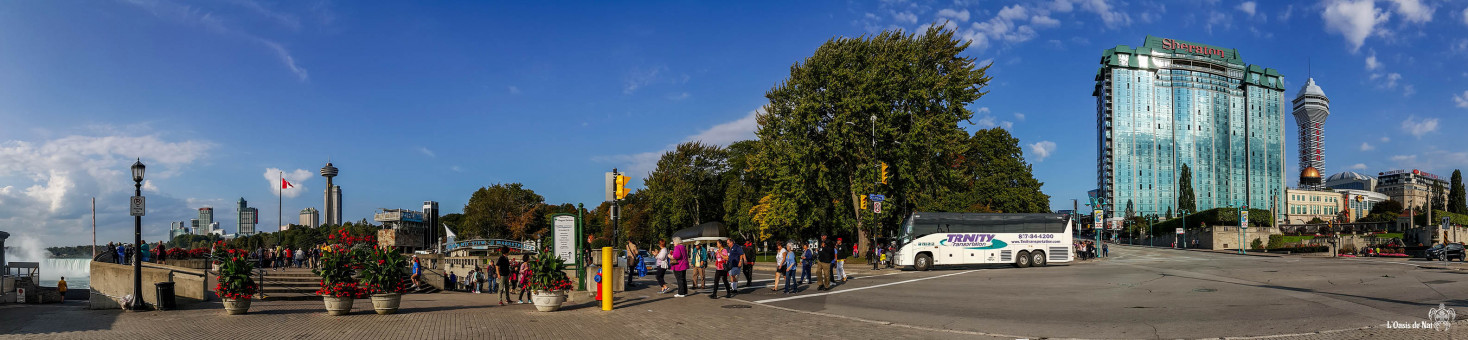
(77, 272)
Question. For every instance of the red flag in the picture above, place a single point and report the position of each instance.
(284, 184)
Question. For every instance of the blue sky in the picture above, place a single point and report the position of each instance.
(419, 102)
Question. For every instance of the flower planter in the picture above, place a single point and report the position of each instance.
(338, 305)
(386, 303)
(548, 301)
(236, 306)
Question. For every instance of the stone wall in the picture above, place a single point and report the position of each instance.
(1227, 237)
(110, 282)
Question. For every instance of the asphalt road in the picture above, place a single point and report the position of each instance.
(1142, 293)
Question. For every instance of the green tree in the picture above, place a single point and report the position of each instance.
(1186, 200)
(1457, 202)
(1439, 196)
(995, 177)
(686, 189)
(895, 98)
(743, 189)
(500, 211)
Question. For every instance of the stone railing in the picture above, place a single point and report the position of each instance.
(111, 282)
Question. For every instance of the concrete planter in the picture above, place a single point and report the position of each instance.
(386, 303)
(337, 305)
(548, 301)
(236, 306)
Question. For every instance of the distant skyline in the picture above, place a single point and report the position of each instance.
(417, 102)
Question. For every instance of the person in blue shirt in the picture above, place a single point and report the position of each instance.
(789, 267)
(417, 271)
(736, 258)
(806, 261)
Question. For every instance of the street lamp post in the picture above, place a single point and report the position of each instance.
(138, 169)
(1184, 238)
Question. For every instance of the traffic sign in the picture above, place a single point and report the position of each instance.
(1445, 223)
(877, 197)
(877, 207)
(138, 206)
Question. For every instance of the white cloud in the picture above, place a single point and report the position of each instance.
(639, 165)
(1019, 116)
(1247, 7)
(1419, 127)
(49, 185)
(1414, 11)
(1358, 166)
(905, 17)
(1371, 63)
(1217, 19)
(297, 178)
(1044, 21)
(1386, 139)
(1042, 149)
(1367, 147)
(1288, 12)
(514, 89)
(426, 152)
(1465, 16)
(1353, 19)
(640, 77)
(1112, 19)
(959, 16)
(1461, 100)
(456, 168)
(194, 16)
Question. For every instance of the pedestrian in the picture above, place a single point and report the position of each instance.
(502, 268)
(524, 277)
(144, 251)
(788, 265)
(839, 271)
(61, 287)
(720, 257)
(453, 283)
(473, 279)
(634, 260)
(661, 260)
(700, 261)
(679, 261)
(877, 257)
(779, 265)
(1105, 250)
(417, 271)
(162, 252)
(121, 254)
(891, 253)
(807, 259)
(825, 258)
(748, 264)
(300, 255)
(736, 260)
(490, 277)
(289, 256)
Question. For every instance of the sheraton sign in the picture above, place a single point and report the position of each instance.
(1203, 50)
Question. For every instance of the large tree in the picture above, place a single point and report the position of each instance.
(500, 211)
(895, 98)
(686, 188)
(743, 187)
(1187, 201)
(1457, 202)
(995, 177)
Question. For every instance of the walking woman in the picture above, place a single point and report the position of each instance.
(720, 257)
(524, 277)
(633, 261)
(780, 263)
(679, 261)
(662, 263)
(789, 268)
(700, 261)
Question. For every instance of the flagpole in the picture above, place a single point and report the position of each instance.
(280, 215)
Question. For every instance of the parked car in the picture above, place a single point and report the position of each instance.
(1448, 252)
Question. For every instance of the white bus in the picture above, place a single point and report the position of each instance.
(930, 239)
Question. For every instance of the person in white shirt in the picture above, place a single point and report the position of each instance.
(662, 263)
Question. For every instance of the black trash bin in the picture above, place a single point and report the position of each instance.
(165, 296)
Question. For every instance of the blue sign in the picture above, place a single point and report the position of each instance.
(877, 198)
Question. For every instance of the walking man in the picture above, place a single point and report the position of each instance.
(502, 268)
(736, 259)
(824, 259)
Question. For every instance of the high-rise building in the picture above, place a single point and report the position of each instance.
(206, 216)
(195, 226)
(1171, 103)
(310, 217)
(336, 204)
(1414, 188)
(430, 220)
(1311, 110)
(248, 217)
(333, 212)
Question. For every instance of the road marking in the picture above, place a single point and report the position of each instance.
(862, 288)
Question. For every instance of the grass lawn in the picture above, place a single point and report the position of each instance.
(1296, 239)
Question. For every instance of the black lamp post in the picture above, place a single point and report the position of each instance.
(138, 169)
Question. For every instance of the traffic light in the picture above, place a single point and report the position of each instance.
(884, 172)
(863, 202)
(622, 186)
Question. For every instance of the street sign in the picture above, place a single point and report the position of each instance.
(1445, 223)
(137, 206)
(565, 230)
(877, 207)
(1179, 231)
(1243, 218)
(877, 197)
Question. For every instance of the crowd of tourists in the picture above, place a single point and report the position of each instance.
(122, 253)
(282, 257)
(506, 276)
(818, 263)
(1087, 249)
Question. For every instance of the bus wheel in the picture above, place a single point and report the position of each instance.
(1023, 260)
(923, 263)
(1037, 258)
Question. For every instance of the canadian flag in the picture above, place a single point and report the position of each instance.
(285, 184)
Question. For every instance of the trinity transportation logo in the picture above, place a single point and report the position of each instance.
(973, 241)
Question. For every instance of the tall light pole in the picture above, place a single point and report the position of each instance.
(137, 213)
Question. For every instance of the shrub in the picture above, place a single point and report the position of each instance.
(382, 272)
(234, 280)
(547, 273)
(339, 262)
(1257, 245)
(1275, 241)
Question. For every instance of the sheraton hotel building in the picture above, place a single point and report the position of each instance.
(1170, 103)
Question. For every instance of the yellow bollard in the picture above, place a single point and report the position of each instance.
(606, 278)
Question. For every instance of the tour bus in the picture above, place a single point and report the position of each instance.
(930, 239)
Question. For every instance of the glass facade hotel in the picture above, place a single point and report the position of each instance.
(1170, 103)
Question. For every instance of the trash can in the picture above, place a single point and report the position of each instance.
(165, 296)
